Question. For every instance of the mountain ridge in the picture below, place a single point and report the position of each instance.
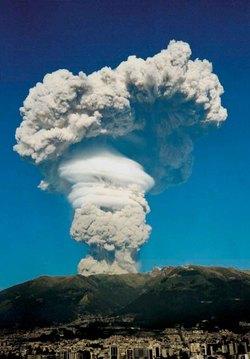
(162, 297)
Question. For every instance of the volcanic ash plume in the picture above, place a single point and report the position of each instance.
(107, 191)
(150, 111)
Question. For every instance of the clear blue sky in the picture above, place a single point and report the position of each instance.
(206, 220)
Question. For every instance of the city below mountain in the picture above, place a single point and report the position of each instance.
(185, 295)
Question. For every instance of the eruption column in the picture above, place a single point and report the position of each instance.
(107, 192)
(157, 107)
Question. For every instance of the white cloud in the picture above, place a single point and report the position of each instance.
(107, 191)
(167, 100)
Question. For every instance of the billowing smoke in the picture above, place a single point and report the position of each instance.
(108, 138)
(107, 191)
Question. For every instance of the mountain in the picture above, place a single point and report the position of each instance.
(193, 294)
(173, 295)
(51, 300)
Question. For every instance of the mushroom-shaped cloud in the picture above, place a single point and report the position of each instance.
(159, 105)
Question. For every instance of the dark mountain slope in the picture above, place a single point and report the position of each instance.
(191, 294)
(166, 297)
(51, 300)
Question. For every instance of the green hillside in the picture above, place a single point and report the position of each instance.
(173, 295)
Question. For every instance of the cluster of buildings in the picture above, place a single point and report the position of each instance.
(171, 344)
